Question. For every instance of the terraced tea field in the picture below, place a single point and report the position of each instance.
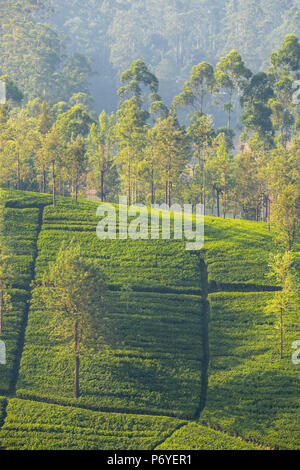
(174, 363)
(38, 426)
(251, 392)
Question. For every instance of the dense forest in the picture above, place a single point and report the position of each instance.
(185, 124)
(75, 46)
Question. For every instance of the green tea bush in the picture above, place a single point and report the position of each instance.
(251, 392)
(195, 437)
(237, 253)
(155, 366)
(38, 426)
(21, 228)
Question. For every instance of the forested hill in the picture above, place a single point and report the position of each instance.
(87, 45)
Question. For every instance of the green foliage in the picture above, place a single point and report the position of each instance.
(237, 253)
(37, 426)
(21, 226)
(201, 83)
(74, 293)
(100, 154)
(231, 76)
(76, 161)
(140, 370)
(74, 122)
(13, 93)
(154, 367)
(219, 168)
(255, 103)
(251, 392)
(195, 437)
(3, 403)
(286, 216)
(136, 76)
(155, 364)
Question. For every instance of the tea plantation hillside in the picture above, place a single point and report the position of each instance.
(22, 220)
(38, 426)
(251, 392)
(195, 437)
(174, 361)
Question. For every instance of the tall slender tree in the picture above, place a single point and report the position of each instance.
(281, 268)
(74, 291)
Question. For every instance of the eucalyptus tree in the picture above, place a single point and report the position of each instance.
(45, 121)
(231, 77)
(130, 134)
(252, 191)
(201, 133)
(76, 162)
(139, 82)
(100, 146)
(220, 172)
(283, 180)
(281, 268)
(173, 148)
(19, 145)
(255, 100)
(53, 145)
(200, 84)
(74, 291)
(284, 70)
(73, 122)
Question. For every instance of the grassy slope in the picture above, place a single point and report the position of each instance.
(157, 367)
(37, 426)
(251, 392)
(236, 255)
(195, 437)
(21, 227)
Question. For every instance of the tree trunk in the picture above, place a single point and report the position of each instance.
(281, 334)
(169, 198)
(76, 187)
(218, 204)
(269, 214)
(204, 187)
(224, 204)
(1, 306)
(76, 192)
(229, 112)
(76, 377)
(129, 181)
(77, 362)
(102, 185)
(44, 180)
(19, 173)
(229, 119)
(167, 186)
(53, 184)
(152, 187)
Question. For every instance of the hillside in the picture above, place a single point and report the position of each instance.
(194, 344)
